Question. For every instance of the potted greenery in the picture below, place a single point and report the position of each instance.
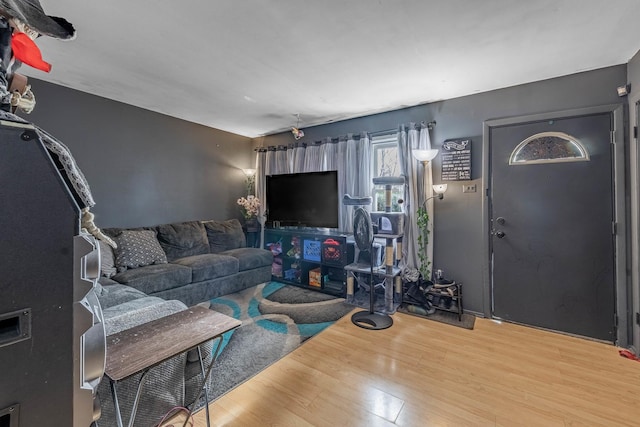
(422, 221)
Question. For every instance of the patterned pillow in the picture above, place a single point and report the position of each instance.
(137, 248)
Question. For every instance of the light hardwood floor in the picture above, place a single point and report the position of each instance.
(423, 373)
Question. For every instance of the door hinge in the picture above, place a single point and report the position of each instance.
(614, 228)
(637, 318)
(612, 136)
(635, 132)
(615, 320)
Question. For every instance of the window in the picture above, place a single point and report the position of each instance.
(385, 162)
(549, 147)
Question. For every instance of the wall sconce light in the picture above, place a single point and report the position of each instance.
(424, 156)
(440, 189)
(249, 172)
(624, 90)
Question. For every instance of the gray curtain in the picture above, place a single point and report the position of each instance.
(349, 155)
(354, 173)
(418, 187)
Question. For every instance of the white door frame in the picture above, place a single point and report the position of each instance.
(623, 280)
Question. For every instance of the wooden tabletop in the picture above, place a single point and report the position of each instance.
(149, 344)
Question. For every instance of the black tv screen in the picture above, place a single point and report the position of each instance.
(303, 199)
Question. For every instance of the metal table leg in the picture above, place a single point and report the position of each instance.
(136, 401)
(114, 393)
(205, 376)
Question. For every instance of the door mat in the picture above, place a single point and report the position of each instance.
(468, 320)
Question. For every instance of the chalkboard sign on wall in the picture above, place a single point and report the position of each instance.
(456, 160)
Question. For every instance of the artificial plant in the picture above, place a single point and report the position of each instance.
(422, 221)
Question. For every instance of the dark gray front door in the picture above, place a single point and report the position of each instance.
(552, 241)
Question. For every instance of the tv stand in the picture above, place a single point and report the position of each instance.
(310, 258)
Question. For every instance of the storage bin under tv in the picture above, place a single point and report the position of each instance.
(310, 258)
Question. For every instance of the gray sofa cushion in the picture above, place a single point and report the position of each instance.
(138, 248)
(115, 294)
(155, 278)
(183, 239)
(209, 266)
(250, 258)
(225, 235)
(107, 260)
(138, 311)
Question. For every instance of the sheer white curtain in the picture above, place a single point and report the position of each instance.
(261, 189)
(354, 173)
(313, 158)
(419, 182)
(349, 155)
(299, 151)
(330, 154)
(342, 168)
(281, 160)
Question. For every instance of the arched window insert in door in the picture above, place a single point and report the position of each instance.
(549, 147)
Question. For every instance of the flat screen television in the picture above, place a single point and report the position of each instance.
(303, 199)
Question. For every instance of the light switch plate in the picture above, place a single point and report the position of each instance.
(469, 188)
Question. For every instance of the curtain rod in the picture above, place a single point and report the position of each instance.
(430, 125)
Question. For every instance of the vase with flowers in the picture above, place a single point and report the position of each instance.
(250, 207)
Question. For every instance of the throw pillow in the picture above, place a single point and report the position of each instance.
(183, 239)
(225, 235)
(107, 261)
(137, 249)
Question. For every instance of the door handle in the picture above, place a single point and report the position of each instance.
(500, 234)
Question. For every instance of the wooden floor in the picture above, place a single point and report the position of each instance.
(423, 373)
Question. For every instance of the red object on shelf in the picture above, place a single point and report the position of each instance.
(332, 251)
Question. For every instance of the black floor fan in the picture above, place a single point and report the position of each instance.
(363, 235)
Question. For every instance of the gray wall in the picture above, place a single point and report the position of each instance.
(458, 223)
(144, 168)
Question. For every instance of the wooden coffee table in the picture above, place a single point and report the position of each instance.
(144, 346)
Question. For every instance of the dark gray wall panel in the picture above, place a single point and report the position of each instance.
(458, 224)
(145, 168)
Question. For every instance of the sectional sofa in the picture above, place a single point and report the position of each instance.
(157, 271)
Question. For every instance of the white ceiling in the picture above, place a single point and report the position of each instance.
(249, 66)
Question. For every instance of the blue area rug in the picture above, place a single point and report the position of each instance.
(276, 319)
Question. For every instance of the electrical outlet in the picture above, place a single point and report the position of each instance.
(469, 188)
